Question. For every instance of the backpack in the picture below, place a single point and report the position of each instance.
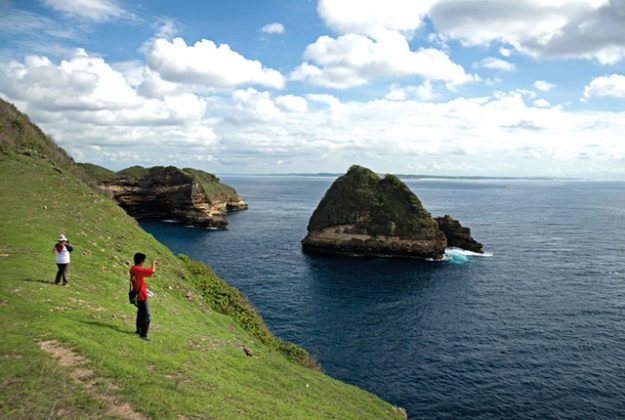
(133, 296)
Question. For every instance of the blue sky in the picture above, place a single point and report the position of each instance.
(449, 87)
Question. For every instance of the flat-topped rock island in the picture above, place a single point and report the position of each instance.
(190, 196)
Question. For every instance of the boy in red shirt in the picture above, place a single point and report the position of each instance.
(143, 311)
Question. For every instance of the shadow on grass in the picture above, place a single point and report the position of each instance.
(39, 281)
(109, 326)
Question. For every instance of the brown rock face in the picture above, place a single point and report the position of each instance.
(363, 214)
(190, 196)
(458, 235)
(338, 241)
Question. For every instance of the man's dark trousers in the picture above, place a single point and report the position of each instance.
(143, 318)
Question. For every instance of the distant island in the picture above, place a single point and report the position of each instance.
(191, 196)
(364, 214)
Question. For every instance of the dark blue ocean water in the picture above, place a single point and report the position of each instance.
(537, 330)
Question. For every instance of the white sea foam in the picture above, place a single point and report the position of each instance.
(460, 251)
(170, 221)
(459, 255)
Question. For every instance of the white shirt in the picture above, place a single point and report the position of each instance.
(63, 256)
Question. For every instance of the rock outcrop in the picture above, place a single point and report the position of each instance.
(363, 214)
(458, 235)
(187, 195)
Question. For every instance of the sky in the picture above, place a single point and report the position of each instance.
(439, 87)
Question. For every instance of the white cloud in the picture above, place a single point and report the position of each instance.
(613, 85)
(543, 85)
(496, 64)
(352, 60)
(370, 17)
(563, 28)
(104, 114)
(543, 103)
(165, 28)
(292, 103)
(205, 63)
(506, 52)
(84, 102)
(96, 10)
(273, 28)
(256, 106)
(15, 21)
(423, 92)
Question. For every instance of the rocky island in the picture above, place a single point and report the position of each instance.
(364, 214)
(191, 196)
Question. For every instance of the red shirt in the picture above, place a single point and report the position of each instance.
(139, 284)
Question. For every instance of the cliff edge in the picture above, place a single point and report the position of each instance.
(190, 196)
(457, 235)
(363, 214)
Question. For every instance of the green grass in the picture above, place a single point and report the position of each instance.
(194, 367)
(214, 189)
(97, 173)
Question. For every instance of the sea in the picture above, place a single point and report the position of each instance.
(534, 328)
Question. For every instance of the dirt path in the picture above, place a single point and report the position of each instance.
(86, 377)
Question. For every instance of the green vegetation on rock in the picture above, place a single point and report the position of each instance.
(375, 206)
(163, 176)
(97, 173)
(213, 187)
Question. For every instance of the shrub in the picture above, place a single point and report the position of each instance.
(228, 300)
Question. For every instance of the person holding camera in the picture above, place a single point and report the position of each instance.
(139, 274)
(62, 250)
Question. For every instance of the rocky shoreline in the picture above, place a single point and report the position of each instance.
(190, 196)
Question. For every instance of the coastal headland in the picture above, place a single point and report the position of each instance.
(190, 196)
(70, 352)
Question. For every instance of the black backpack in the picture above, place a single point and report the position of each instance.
(133, 297)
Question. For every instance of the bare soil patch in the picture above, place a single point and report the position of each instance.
(86, 377)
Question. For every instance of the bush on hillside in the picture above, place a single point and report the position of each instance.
(228, 300)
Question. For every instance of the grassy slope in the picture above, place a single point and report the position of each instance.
(194, 367)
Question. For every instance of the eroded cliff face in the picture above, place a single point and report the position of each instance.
(457, 235)
(190, 196)
(363, 214)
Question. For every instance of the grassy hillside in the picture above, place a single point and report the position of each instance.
(18, 133)
(70, 352)
(96, 172)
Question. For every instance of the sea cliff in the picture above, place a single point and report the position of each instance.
(363, 214)
(191, 196)
(457, 235)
